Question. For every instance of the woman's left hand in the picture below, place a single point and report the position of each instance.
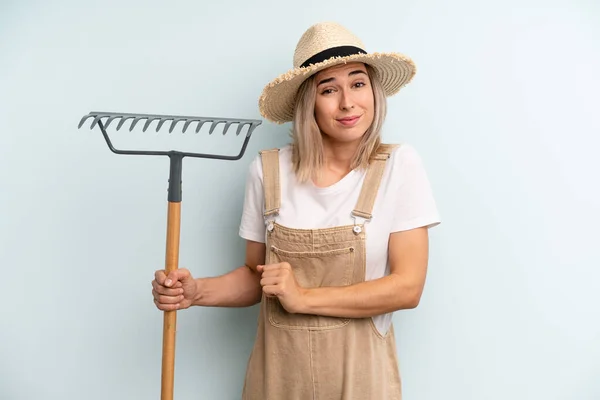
(279, 280)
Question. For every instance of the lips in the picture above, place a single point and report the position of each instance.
(349, 121)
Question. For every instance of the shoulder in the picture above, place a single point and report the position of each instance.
(255, 169)
(281, 150)
(405, 163)
(401, 154)
(284, 153)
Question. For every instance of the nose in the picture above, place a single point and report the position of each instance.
(346, 102)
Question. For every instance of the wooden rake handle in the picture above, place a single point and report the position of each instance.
(170, 317)
(171, 264)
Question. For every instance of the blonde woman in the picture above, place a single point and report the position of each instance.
(336, 225)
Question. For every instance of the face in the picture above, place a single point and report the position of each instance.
(345, 104)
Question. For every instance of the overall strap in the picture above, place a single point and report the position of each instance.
(271, 188)
(370, 187)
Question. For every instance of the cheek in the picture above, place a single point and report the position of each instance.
(368, 100)
(322, 110)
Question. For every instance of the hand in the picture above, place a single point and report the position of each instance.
(173, 292)
(279, 280)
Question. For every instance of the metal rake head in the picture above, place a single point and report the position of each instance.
(109, 117)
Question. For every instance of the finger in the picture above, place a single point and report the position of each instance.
(165, 290)
(271, 273)
(166, 299)
(271, 267)
(166, 307)
(177, 285)
(271, 290)
(179, 275)
(278, 266)
(269, 281)
(160, 276)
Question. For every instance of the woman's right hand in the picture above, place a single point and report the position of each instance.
(176, 291)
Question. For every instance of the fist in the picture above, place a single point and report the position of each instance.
(278, 280)
(175, 291)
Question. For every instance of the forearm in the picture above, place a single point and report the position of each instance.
(238, 288)
(362, 300)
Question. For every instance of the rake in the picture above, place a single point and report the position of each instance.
(174, 199)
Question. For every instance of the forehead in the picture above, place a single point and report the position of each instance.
(341, 69)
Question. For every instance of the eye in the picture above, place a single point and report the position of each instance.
(359, 84)
(327, 91)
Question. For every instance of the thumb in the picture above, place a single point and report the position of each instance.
(181, 275)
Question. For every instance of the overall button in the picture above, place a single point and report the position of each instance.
(357, 229)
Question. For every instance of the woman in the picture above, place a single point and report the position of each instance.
(336, 227)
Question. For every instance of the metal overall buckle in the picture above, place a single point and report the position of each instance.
(270, 220)
(358, 227)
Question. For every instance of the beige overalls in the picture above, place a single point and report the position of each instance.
(302, 357)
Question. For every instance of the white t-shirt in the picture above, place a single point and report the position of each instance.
(405, 201)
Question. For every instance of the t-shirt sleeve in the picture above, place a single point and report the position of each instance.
(252, 226)
(416, 206)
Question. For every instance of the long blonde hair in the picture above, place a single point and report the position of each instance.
(307, 142)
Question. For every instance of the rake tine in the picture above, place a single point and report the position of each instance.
(135, 121)
(214, 125)
(175, 121)
(202, 123)
(98, 118)
(147, 124)
(187, 123)
(122, 121)
(227, 125)
(251, 128)
(111, 119)
(82, 121)
(240, 127)
(162, 121)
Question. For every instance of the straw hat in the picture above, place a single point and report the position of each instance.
(321, 46)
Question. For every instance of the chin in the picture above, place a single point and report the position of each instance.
(347, 136)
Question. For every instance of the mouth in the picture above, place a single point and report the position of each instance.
(349, 121)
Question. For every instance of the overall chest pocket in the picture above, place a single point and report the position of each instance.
(312, 269)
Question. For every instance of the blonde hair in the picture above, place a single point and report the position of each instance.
(307, 142)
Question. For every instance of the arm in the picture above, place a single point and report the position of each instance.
(401, 289)
(238, 288)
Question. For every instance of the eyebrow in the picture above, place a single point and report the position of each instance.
(356, 72)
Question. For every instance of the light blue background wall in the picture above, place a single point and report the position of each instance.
(504, 111)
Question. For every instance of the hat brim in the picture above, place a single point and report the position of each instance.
(276, 102)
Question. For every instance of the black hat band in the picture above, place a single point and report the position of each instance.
(340, 51)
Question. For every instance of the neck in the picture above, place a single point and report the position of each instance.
(338, 155)
(337, 158)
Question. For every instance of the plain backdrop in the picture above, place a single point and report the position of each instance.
(504, 110)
